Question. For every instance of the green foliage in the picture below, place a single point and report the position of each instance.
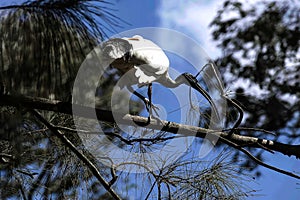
(40, 165)
(261, 46)
(217, 179)
(44, 42)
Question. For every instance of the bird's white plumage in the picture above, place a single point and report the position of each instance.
(152, 62)
(145, 62)
(156, 61)
(152, 54)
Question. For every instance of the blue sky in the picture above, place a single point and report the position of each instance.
(192, 18)
(177, 15)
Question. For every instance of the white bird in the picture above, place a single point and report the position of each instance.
(146, 62)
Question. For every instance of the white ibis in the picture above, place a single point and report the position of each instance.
(146, 63)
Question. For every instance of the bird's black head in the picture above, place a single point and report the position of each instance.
(191, 80)
(186, 78)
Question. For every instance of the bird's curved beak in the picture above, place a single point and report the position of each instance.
(193, 82)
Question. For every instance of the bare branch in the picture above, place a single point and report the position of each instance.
(81, 156)
(252, 157)
(236, 141)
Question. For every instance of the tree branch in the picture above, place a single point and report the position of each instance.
(81, 156)
(236, 141)
(104, 115)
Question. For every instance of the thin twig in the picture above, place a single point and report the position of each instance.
(126, 141)
(21, 187)
(259, 162)
(31, 175)
(81, 156)
(151, 189)
(250, 129)
(265, 148)
(114, 176)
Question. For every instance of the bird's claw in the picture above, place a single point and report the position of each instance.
(151, 107)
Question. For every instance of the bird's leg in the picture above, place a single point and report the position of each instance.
(150, 99)
(146, 101)
(151, 106)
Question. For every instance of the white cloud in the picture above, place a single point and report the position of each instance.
(192, 18)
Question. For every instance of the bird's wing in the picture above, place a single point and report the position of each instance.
(149, 60)
(146, 57)
(153, 60)
(143, 77)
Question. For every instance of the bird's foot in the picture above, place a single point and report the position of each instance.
(150, 106)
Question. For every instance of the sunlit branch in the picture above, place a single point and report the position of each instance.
(236, 141)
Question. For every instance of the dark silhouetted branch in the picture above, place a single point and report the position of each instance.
(81, 156)
(236, 141)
